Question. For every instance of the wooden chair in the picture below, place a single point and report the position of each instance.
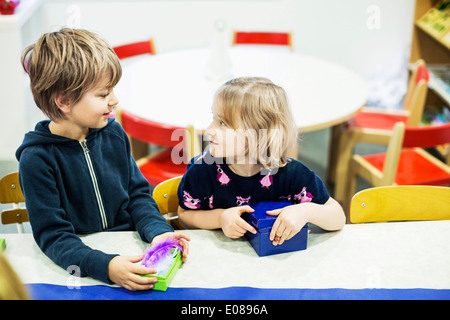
(400, 203)
(165, 195)
(134, 49)
(264, 38)
(11, 193)
(413, 105)
(404, 162)
(171, 159)
(344, 139)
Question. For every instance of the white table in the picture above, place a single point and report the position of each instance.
(172, 87)
(401, 255)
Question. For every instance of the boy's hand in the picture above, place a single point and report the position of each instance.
(182, 241)
(289, 222)
(233, 225)
(123, 271)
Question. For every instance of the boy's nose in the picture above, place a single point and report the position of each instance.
(114, 100)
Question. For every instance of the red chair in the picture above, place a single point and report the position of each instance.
(404, 162)
(269, 38)
(134, 49)
(172, 158)
(343, 140)
(413, 104)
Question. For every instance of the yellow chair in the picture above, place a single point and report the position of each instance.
(400, 203)
(11, 193)
(165, 195)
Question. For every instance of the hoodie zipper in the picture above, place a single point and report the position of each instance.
(95, 184)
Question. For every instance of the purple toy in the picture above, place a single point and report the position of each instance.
(157, 254)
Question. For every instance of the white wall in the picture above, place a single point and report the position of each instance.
(371, 37)
(335, 30)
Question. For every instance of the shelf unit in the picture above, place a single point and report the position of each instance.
(427, 43)
(431, 42)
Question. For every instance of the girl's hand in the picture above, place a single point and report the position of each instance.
(182, 241)
(233, 225)
(289, 222)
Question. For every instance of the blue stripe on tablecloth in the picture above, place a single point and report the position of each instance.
(41, 291)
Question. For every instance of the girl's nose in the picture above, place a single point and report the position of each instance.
(210, 130)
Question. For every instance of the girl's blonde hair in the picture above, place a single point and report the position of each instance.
(68, 62)
(260, 108)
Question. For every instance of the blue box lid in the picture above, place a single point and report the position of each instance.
(259, 219)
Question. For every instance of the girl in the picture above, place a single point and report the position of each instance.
(250, 135)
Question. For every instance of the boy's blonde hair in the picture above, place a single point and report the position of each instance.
(68, 62)
(260, 108)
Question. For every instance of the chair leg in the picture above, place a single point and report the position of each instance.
(351, 188)
(139, 148)
(345, 150)
(333, 151)
(20, 228)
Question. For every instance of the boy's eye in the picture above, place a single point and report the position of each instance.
(222, 123)
(104, 95)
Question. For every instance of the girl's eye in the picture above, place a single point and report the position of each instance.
(222, 124)
(104, 95)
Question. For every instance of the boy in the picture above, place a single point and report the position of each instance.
(76, 170)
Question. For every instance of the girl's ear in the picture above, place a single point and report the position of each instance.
(63, 102)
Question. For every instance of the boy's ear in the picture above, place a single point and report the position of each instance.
(62, 101)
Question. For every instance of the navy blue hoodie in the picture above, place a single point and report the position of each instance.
(74, 187)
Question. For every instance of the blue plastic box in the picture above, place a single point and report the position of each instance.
(263, 224)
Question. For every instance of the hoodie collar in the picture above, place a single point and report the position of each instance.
(42, 136)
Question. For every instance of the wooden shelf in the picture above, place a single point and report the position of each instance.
(431, 42)
(440, 81)
(436, 23)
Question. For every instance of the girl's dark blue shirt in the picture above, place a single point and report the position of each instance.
(209, 184)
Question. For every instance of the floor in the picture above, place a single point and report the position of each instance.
(313, 152)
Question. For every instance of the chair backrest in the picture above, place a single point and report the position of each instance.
(148, 131)
(268, 38)
(400, 203)
(165, 195)
(417, 103)
(134, 49)
(411, 137)
(394, 148)
(11, 193)
(426, 136)
(416, 93)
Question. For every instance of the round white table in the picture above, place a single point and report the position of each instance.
(173, 88)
